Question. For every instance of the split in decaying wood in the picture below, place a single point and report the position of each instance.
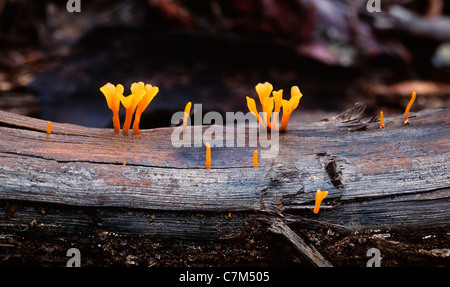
(353, 118)
(396, 177)
(353, 114)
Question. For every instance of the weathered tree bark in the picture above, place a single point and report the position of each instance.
(396, 177)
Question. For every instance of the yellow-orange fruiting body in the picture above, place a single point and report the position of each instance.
(208, 155)
(252, 108)
(255, 158)
(264, 91)
(124, 162)
(413, 98)
(187, 110)
(290, 106)
(49, 128)
(320, 195)
(277, 99)
(130, 103)
(382, 125)
(150, 93)
(113, 95)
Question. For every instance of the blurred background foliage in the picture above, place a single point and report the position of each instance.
(52, 62)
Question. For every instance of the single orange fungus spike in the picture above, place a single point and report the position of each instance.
(124, 162)
(187, 111)
(290, 106)
(130, 103)
(113, 95)
(320, 195)
(263, 91)
(267, 111)
(382, 125)
(252, 108)
(255, 158)
(150, 93)
(413, 98)
(208, 155)
(277, 99)
(49, 128)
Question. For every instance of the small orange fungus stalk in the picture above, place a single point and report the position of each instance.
(130, 103)
(208, 155)
(277, 99)
(113, 95)
(320, 195)
(290, 106)
(255, 158)
(150, 93)
(382, 125)
(124, 162)
(49, 128)
(187, 110)
(413, 98)
(252, 108)
(274, 104)
(264, 91)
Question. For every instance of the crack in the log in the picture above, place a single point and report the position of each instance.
(284, 183)
(118, 163)
(334, 173)
(43, 131)
(401, 197)
(28, 155)
(305, 221)
(19, 127)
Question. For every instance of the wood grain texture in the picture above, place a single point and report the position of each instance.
(396, 176)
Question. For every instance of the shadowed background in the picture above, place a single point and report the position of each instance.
(53, 62)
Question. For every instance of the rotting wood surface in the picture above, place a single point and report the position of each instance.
(396, 177)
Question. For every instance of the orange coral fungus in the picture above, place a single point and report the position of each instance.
(150, 93)
(277, 99)
(320, 195)
(49, 128)
(290, 106)
(382, 125)
(255, 158)
(252, 108)
(113, 95)
(274, 104)
(264, 91)
(187, 110)
(130, 103)
(413, 98)
(208, 155)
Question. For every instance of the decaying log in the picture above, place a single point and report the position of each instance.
(396, 177)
